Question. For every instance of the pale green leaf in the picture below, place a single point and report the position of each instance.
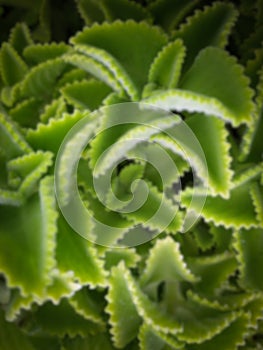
(134, 55)
(216, 74)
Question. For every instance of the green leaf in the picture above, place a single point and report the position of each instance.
(183, 100)
(122, 10)
(74, 253)
(28, 169)
(26, 112)
(166, 67)
(222, 237)
(88, 305)
(63, 320)
(212, 135)
(12, 67)
(11, 337)
(10, 94)
(33, 228)
(49, 136)
(86, 94)
(209, 27)
(238, 211)
(12, 142)
(61, 286)
(150, 339)
(72, 75)
(134, 55)
(114, 256)
(249, 246)
(124, 318)
(232, 337)
(156, 213)
(137, 134)
(168, 13)
(216, 74)
(90, 11)
(213, 271)
(112, 65)
(20, 37)
(53, 110)
(166, 263)
(124, 291)
(39, 53)
(41, 79)
(93, 67)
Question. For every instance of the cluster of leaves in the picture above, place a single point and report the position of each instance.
(193, 291)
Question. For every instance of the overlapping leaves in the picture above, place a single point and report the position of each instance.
(193, 291)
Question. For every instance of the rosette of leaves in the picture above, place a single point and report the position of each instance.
(198, 290)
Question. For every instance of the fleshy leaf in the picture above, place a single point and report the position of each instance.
(204, 239)
(90, 11)
(209, 27)
(156, 213)
(199, 322)
(150, 339)
(212, 135)
(128, 255)
(183, 100)
(29, 169)
(137, 135)
(112, 65)
(134, 55)
(10, 94)
(72, 75)
(236, 212)
(86, 94)
(232, 337)
(63, 320)
(49, 136)
(61, 286)
(26, 113)
(216, 74)
(125, 322)
(38, 53)
(165, 262)
(166, 67)
(122, 10)
(20, 37)
(74, 253)
(89, 306)
(139, 305)
(93, 67)
(222, 237)
(12, 67)
(12, 142)
(53, 110)
(168, 13)
(41, 79)
(249, 245)
(213, 271)
(33, 228)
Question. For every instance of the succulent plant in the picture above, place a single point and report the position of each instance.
(131, 197)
